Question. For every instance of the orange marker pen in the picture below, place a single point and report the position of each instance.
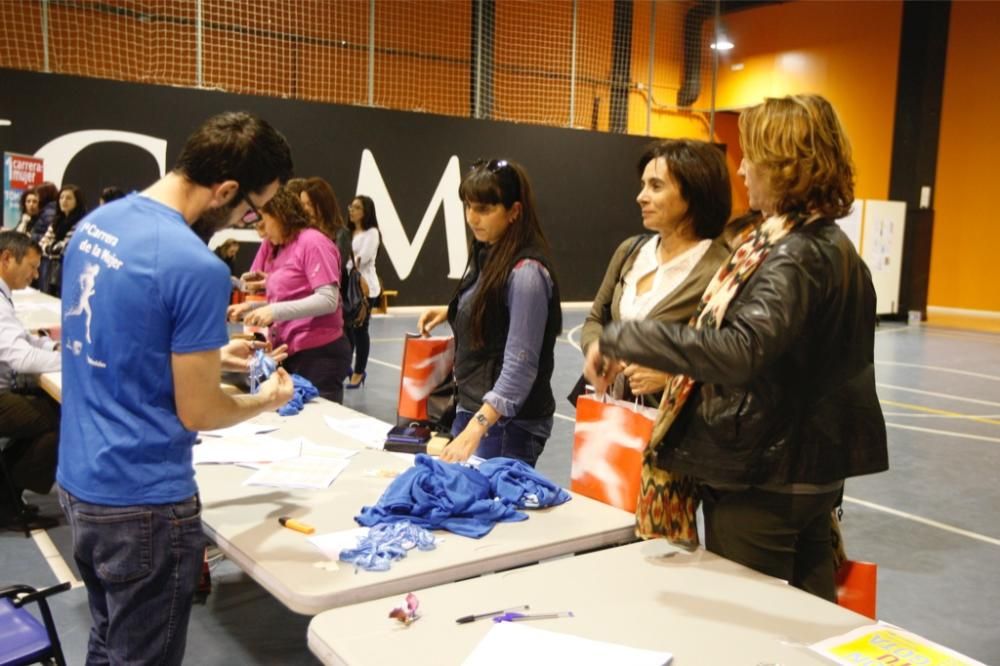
(293, 524)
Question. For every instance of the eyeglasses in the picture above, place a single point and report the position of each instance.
(252, 217)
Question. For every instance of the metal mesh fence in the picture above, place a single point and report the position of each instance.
(596, 64)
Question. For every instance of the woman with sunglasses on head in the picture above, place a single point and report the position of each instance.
(365, 242)
(505, 316)
(773, 402)
(303, 296)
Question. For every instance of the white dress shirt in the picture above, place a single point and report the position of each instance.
(21, 352)
(669, 276)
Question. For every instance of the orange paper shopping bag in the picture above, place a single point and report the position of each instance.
(608, 441)
(427, 362)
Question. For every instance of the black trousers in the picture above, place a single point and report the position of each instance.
(326, 367)
(782, 535)
(361, 340)
(31, 421)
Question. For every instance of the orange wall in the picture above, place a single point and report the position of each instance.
(847, 52)
(965, 226)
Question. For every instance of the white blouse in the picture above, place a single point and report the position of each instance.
(669, 276)
(365, 246)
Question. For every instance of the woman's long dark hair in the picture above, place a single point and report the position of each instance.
(63, 222)
(369, 220)
(505, 183)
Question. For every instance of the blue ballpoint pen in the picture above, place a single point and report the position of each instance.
(517, 617)
(465, 619)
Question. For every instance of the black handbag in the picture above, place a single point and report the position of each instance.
(355, 297)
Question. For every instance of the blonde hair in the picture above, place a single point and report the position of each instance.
(802, 148)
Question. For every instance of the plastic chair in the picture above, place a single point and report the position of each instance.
(857, 587)
(23, 639)
(8, 489)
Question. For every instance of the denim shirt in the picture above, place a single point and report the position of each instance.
(529, 289)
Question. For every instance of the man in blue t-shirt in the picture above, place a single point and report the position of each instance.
(144, 304)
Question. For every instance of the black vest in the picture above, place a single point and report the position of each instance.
(477, 370)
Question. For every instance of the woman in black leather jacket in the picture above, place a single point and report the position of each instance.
(774, 401)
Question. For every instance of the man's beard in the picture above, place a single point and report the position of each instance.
(212, 220)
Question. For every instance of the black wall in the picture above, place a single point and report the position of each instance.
(585, 182)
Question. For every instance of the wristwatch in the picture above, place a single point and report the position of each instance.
(481, 419)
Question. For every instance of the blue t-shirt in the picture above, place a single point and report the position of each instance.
(138, 286)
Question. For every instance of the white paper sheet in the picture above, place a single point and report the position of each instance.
(305, 472)
(370, 432)
(255, 449)
(311, 448)
(519, 643)
(331, 543)
(254, 426)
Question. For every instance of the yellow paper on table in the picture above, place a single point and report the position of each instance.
(880, 644)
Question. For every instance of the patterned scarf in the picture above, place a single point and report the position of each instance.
(667, 502)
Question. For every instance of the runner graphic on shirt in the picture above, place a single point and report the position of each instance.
(88, 279)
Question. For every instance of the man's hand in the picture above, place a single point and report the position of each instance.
(278, 389)
(430, 319)
(236, 355)
(645, 381)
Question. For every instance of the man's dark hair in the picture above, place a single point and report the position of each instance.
(239, 146)
(111, 193)
(18, 244)
(699, 169)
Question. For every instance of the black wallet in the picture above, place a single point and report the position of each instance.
(408, 439)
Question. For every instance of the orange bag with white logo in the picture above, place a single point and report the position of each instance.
(608, 442)
(427, 363)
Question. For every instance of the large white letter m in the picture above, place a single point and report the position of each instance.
(403, 253)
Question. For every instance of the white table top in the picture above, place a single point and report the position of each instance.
(704, 609)
(37, 310)
(243, 521)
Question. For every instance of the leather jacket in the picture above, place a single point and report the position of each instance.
(786, 384)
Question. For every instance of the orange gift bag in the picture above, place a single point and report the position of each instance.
(608, 442)
(427, 364)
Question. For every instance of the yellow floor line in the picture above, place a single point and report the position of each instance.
(949, 433)
(941, 412)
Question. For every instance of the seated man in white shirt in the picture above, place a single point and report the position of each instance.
(29, 420)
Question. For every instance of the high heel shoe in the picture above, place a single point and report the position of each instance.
(359, 383)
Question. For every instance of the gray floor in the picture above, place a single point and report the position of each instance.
(929, 523)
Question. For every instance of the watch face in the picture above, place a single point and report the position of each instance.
(481, 420)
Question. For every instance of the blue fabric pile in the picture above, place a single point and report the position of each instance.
(469, 502)
(517, 483)
(262, 366)
(386, 543)
(304, 392)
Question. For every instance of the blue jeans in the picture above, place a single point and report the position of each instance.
(141, 565)
(507, 439)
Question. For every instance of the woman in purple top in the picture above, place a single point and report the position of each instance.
(505, 316)
(303, 296)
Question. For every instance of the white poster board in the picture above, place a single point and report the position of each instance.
(851, 223)
(882, 250)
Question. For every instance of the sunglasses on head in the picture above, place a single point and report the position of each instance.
(502, 170)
